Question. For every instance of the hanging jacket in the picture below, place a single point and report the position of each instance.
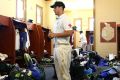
(28, 39)
(23, 40)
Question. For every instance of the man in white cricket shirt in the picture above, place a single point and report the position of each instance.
(61, 36)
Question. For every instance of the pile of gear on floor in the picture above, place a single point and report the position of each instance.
(32, 71)
(47, 59)
(89, 65)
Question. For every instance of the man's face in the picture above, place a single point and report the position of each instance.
(57, 10)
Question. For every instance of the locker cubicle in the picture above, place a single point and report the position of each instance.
(38, 35)
(36, 40)
(7, 38)
(47, 45)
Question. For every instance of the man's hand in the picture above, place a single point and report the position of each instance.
(51, 35)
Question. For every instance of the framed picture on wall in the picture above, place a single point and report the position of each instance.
(78, 23)
(108, 31)
(39, 14)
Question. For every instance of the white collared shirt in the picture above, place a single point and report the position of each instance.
(62, 23)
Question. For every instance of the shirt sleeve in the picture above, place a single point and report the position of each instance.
(67, 25)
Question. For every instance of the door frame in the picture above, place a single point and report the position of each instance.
(118, 36)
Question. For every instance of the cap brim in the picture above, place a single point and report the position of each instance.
(52, 6)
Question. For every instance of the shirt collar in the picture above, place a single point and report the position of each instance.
(58, 17)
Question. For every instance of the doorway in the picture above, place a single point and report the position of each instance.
(81, 15)
(118, 41)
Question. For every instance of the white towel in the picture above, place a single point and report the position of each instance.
(17, 41)
(28, 39)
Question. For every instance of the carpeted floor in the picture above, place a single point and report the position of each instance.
(49, 71)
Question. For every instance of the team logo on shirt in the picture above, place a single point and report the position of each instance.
(70, 25)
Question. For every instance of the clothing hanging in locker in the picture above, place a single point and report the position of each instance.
(17, 41)
(24, 41)
(28, 39)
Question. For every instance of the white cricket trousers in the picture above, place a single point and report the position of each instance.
(62, 59)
